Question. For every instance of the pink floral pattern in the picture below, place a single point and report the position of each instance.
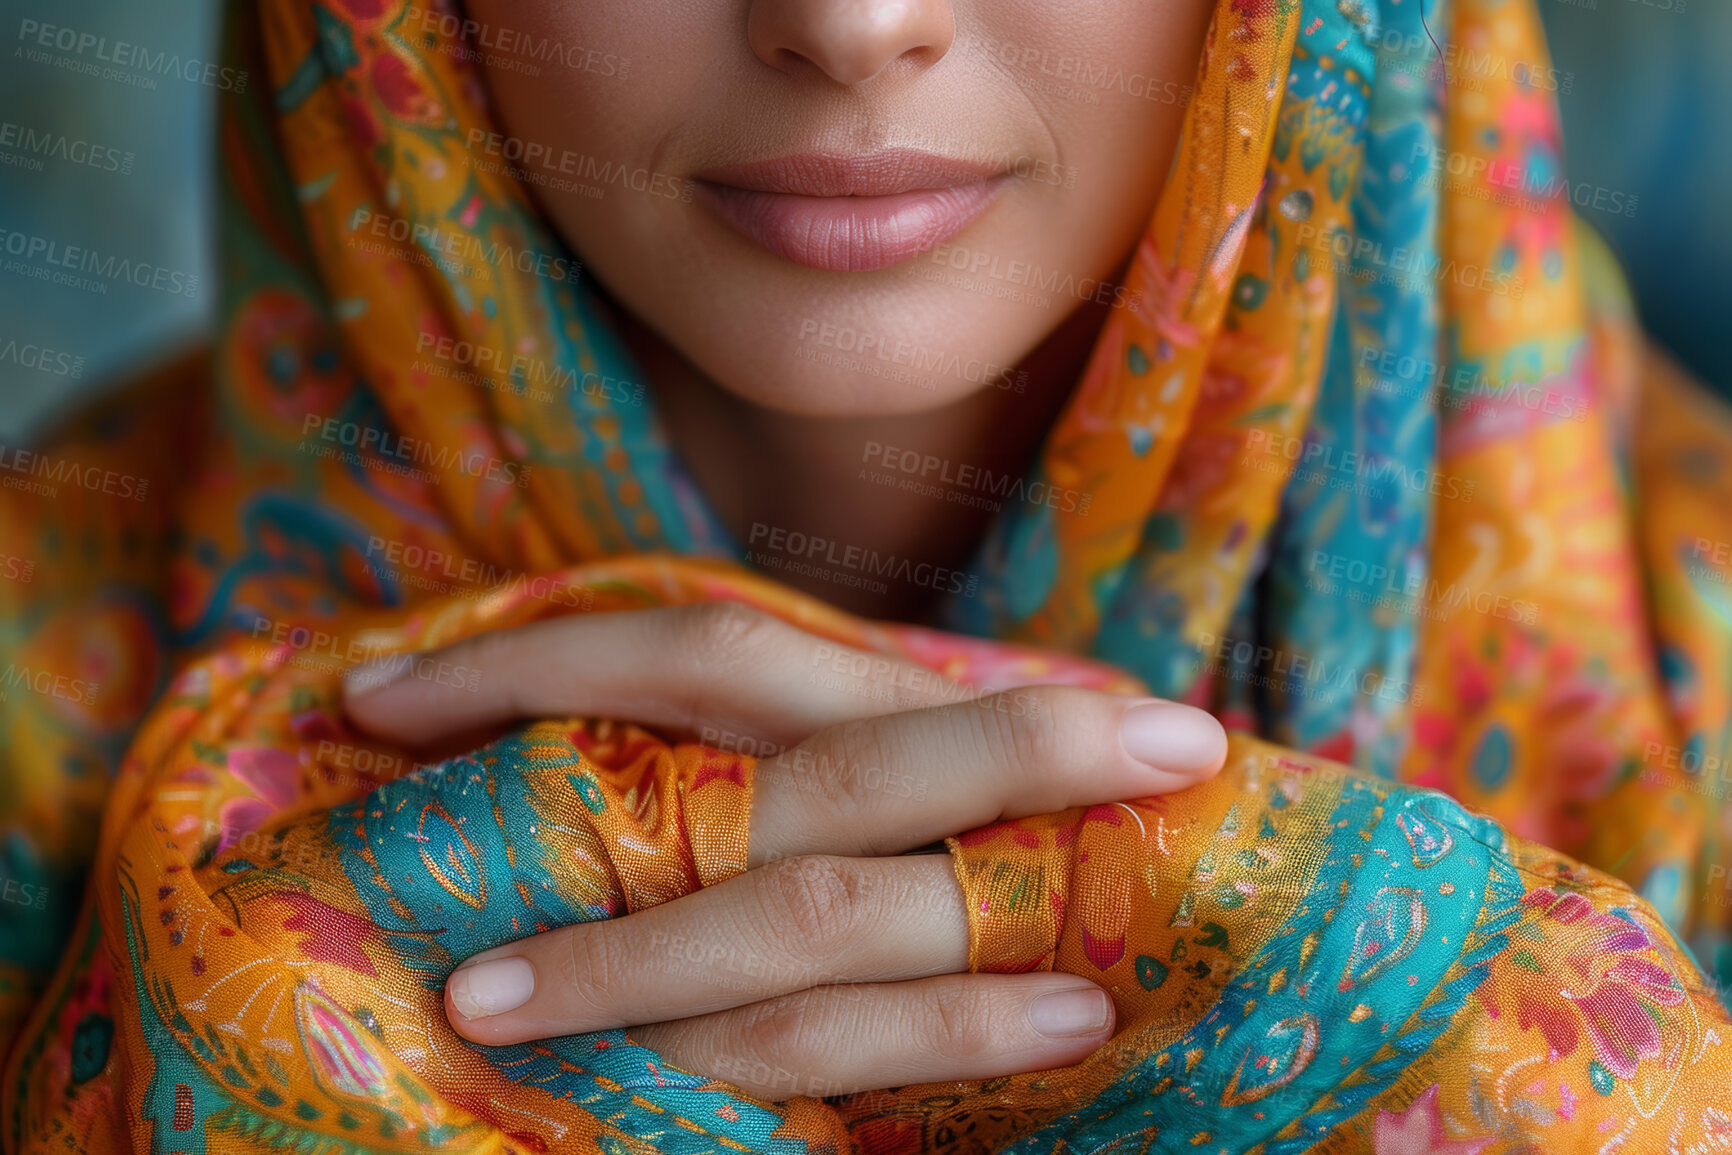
(1615, 997)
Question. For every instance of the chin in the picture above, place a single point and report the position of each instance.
(885, 344)
(798, 388)
(920, 333)
(816, 362)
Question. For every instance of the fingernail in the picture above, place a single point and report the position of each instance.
(1172, 737)
(491, 988)
(1065, 1014)
(376, 674)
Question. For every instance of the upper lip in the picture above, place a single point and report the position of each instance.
(877, 174)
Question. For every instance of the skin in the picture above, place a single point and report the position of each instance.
(717, 321)
(832, 964)
(875, 938)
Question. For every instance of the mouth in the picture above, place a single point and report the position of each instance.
(851, 214)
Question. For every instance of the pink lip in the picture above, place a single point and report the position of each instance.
(851, 214)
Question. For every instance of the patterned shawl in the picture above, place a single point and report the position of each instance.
(1373, 470)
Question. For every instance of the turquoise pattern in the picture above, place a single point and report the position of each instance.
(448, 863)
(1411, 934)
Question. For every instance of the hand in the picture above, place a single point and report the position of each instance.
(830, 965)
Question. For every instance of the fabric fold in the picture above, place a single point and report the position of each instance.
(1351, 358)
(1297, 952)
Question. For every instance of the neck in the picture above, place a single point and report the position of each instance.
(782, 484)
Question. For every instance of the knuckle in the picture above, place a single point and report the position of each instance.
(489, 651)
(592, 964)
(780, 1048)
(712, 645)
(847, 762)
(1039, 730)
(496, 654)
(778, 1033)
(958, 1024)
(816, 902)
(722, 634)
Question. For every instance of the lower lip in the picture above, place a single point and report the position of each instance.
(852, 234)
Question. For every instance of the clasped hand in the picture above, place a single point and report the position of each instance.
(836, 962)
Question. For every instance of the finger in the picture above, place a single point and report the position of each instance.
(795, 924)
(884, 785)
(718, 671)
(837, 1040)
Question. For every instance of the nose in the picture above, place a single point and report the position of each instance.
(850, 41)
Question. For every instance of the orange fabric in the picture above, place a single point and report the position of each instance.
(1337, 350)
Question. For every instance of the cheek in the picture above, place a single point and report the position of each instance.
(601, 81)
(1111, 80)
(1083, 100)
(598, 93)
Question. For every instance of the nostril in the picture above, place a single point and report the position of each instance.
(851, 43)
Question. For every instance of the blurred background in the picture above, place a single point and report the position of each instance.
(1647, 115)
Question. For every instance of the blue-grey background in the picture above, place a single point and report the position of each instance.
(159, 213)
(1648, 114)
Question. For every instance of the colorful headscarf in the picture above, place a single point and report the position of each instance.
(1369, 474)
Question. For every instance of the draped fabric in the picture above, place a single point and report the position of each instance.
(1376, 470)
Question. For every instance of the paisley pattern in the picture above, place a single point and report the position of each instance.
(1376, 469)
(1300, 954)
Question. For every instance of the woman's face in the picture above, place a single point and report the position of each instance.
(845, 207)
